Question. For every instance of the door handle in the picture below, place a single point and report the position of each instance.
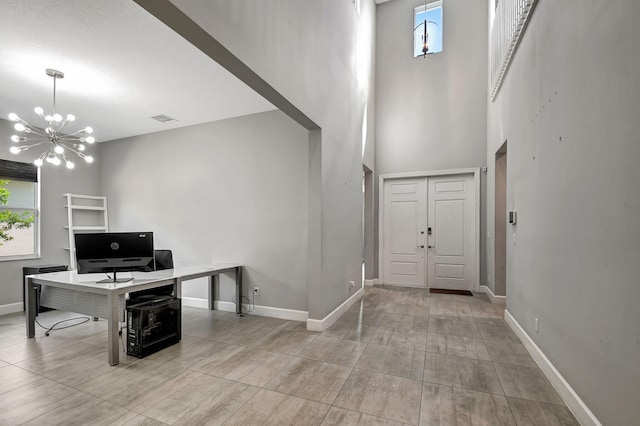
(422, 246)
(431, 246)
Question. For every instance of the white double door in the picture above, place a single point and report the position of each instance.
(429, 232)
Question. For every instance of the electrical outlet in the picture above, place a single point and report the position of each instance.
(536, 324)
(256, 291)
(352, 284)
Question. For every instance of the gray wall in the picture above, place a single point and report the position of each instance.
(569, 110)
(431, 112)
(233, 190)
(54, 182)
(318, 55)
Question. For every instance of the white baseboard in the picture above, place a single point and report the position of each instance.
(264, 311)
(498, 300)
(566, 392)
(368, 283)
(195, 302)
(323, 324)
(11, 308)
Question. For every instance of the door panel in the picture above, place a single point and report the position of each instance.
(404, 220)
(451, 218)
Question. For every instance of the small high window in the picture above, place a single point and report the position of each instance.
(427, 17)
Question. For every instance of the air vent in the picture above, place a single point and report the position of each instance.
(163, 118)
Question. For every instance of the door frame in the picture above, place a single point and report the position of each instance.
(476, 240)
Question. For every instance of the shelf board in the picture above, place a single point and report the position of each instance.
(73, 207)
(87, 228)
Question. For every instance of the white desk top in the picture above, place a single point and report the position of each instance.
(71, 279)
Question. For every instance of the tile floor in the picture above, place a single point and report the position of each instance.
(399, 356)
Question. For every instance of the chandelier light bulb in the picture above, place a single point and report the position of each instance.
(38, 111)
(19, 127)
(88, 130)
(88, 159)
(16, 139)
(38, 162)
(55, 161)
(80, 147)
(48, 118)
(58, 149)
(71, 117)
(57, 118)
(90, 139)
(15, 150)
(70, 165)
(13, 117)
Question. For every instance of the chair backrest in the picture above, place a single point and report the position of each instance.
(164, 259)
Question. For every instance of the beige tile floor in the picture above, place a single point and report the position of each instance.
(399, 356)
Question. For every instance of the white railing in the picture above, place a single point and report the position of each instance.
(508, 26)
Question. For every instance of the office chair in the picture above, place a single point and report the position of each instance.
(162, 259)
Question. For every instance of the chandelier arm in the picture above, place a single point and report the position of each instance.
(44, 121)
(74, 151)
(64, 123)
(36, 144)
(70, 137)
(41, 139)
(76, 132)
(37, 131)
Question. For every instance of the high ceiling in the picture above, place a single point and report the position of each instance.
(121, 67)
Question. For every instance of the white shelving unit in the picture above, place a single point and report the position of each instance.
(95, 218)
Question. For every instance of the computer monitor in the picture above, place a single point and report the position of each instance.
(112, 252)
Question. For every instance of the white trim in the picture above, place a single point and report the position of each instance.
(498, 300)
(323, 324)
(368, 283)
(476, 241)
(11, 308)
(264, 311)
(195, 302)
(429, 174)
(566, 392)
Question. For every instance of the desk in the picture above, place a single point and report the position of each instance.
(80, 293)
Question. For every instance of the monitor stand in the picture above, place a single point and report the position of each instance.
(114, 280)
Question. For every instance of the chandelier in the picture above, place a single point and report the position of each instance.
(52, 132)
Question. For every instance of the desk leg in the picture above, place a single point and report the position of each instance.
(112, 327)
(30, 295)
(239, 290)
(212, 293)
(177, 288)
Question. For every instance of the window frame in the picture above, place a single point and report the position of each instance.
(36, 222)
(417, 35)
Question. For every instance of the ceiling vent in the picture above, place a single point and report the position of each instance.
(163, 118)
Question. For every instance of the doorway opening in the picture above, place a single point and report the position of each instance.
(500, 256)
(368, 267)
